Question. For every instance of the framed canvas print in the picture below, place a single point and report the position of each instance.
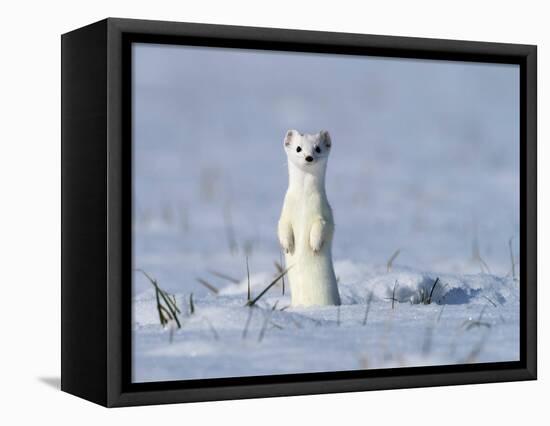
(252, 212)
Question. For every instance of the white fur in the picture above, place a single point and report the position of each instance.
(306, 226)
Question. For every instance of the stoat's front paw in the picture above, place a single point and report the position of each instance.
(316, 244)
(287, 243)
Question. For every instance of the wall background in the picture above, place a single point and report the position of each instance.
(29, 222)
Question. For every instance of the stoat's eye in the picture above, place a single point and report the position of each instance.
(318, 150)
(298, 149)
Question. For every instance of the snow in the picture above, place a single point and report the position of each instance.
(425, 159)
(468, 314)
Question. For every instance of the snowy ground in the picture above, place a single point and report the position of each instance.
(425, 159)
(472, 318)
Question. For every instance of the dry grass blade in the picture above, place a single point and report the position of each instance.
(490, 301)
(191, 304)
(174, 305)
(281, 270)
(151, 279)
(296, 322)
(512, 259)
(248, 281)
(230, 230)
(266, 322)
(264, 291)
(367, 309)
(162, 318)
(475, 324)
(277, 326)
(184, 218)
(442, 298)
(392, 298)
(212, 329)
(476, 350)
(278, 267)
(482, 262)
(248, 319)
(224, 276)
(170, 304)
(429, 300)
(391, 259)
(208, 285)
(476, 255)
(440, 313)
(171, 335)
(427, 343)
(166, 312)
(469, 323)
(481, 313)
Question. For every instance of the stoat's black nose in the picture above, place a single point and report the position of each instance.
(309, 158)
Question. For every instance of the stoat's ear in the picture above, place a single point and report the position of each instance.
(289, 135)
(325, 138)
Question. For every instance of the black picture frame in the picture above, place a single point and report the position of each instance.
(96, 212)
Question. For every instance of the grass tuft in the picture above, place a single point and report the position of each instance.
(166, 303)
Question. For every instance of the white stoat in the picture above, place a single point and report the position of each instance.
(306, 225)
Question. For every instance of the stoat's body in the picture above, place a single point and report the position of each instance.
(306, 225)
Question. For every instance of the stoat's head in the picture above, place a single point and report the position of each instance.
(308, 152)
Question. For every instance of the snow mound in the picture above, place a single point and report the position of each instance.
(408, 285)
